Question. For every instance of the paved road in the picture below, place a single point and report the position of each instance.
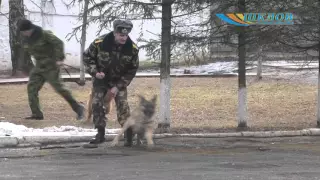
(184, 158)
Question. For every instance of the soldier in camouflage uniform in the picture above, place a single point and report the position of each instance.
(48, 51)
(112, 61)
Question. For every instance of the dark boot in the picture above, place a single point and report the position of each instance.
(80, 112)
(34, 117)
(99, 137)
(128, 137)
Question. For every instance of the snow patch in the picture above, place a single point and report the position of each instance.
(211, 68)
(10, 129)
(232, 67)
(288, 64)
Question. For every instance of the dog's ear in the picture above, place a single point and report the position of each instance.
(154, 99)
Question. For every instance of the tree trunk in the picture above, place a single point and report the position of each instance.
(83, 40)
(242, 91)
(21, 61)
(164, 121)
(212, 24)
(318, 107)
(259, 65)
(43, 17)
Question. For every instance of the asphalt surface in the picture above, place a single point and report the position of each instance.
(171, 159)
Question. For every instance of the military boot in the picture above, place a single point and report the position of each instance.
(80, 112)
(128, 137)
(34, 117)
(99, 137)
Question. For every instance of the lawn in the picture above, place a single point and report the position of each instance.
(197, 104)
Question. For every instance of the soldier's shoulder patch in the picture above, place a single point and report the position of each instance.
(135, 46)
(98, 41)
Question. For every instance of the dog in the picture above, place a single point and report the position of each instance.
(142, 122)
(107, 104)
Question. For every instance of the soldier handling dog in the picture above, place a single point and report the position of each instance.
(112, 60)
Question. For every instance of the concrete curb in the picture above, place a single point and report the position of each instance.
(34, 141)
(257, 134)
(7, 141)
(87, 77)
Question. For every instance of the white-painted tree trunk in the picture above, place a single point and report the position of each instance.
(165, 84)
(242, 91)
(164, 114)
(242, 106)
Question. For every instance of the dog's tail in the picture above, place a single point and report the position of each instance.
(89, 107)
(107, 104)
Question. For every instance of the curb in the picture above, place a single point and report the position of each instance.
(7, 141)
(257, 134)
(34, 141)
(88, 78)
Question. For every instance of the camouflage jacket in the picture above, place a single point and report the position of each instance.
(119, 64)
(45, 47)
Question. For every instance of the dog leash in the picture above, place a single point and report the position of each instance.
(78, 81)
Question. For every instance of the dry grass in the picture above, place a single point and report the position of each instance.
(197, 104)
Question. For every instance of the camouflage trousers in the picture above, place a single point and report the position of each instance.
(99, 116)
(37, 79)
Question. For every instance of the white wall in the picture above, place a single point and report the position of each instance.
(61, 25)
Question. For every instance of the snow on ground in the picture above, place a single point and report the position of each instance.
(296, 64)
(232, 67)
(219, 67)
(211, 68)
(10, 129)
(297, 71)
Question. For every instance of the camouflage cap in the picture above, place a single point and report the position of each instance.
(122, 26)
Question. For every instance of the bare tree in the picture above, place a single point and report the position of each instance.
(83, 28)
(83, 39)
(42, 7)
(21, 61)
(212, 24)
